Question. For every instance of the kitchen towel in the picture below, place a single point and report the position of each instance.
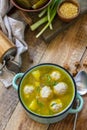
(14, 30)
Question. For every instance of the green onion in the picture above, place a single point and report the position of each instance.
(46, 26)
(40, 103)
(49, 19)
(42, 13)
(38, 23)
(50, 12)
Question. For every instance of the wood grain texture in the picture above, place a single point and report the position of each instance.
(68, 47)
(9, 98)
(82, 118)
(36, 50)
(26, 17)
(68, 122)
(8, 102)
(71, 42)
(59, 26)
(5, 45)
(21, 121)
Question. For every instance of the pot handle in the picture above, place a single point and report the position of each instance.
(78, 109)
(16, 77)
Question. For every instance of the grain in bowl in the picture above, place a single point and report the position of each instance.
(68, 10)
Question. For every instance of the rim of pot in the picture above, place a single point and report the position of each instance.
(54, 115)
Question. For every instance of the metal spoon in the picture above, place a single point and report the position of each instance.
(81, 83)
(76, 115)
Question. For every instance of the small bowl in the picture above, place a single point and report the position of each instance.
(62, 8)
(30, 10)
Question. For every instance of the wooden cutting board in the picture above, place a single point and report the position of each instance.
(58, 25)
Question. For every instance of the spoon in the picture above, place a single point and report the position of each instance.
(76, 115)
(81, 82)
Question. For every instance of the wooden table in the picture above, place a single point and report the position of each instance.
(68, 47)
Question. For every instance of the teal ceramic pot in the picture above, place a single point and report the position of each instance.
(52, 118)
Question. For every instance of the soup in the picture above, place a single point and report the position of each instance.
(47, 90)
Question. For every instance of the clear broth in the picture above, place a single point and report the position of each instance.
(43, 106)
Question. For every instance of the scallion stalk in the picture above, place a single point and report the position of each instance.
(38, 23)
(49, 19)
(51, 11)
(46, 26)
(42, 13)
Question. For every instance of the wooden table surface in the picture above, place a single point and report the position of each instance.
(68, 47)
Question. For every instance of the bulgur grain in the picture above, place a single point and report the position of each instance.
(68, 10)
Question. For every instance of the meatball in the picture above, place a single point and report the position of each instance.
(28, 89)
(56, 105)
(55, 75)
(46, 92)
(60, 88)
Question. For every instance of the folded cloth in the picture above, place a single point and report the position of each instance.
(5, 6)
(6, 77)
(14, 30)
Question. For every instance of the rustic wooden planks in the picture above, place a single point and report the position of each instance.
(68, 47)
(8, 102)
(20, 121)
(9, 98)
(60, 26)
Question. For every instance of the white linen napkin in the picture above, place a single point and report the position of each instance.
(14, 30)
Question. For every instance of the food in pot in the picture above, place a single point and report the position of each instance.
(28, 89)
(33, 1)
(60, 88)
(68, 9)
(55, 75)
(36, 74)
(46, 90)
(34, 4)
(39, 4)
(56, 105)
(24, 3)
